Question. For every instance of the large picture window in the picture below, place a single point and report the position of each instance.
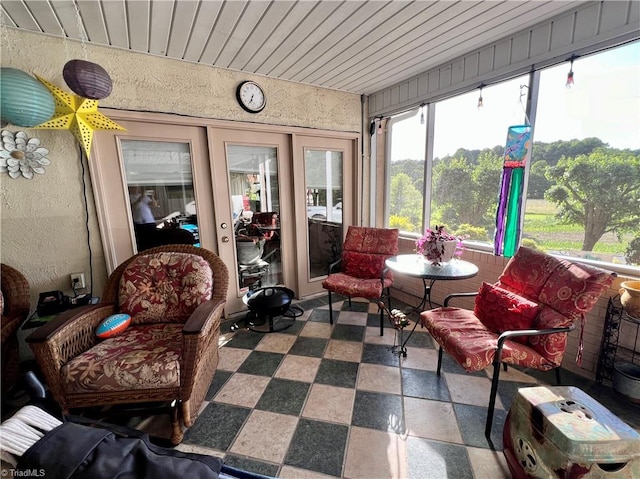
(469, 139)
(584, 186)
(583, 179)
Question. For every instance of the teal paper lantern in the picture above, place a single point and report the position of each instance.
(24, 101)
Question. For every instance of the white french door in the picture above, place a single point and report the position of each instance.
(254, 209)
(325, 191)
(273, 205)
(166, 166)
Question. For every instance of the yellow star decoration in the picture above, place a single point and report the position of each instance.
(78, 114)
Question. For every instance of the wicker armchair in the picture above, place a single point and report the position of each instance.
(15, 310)
(175, 295)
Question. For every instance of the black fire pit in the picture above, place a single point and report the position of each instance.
(270, 309)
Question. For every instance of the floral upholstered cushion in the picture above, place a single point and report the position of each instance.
(350, 286)
(363, 265)
(501, 310)
(366, 249)
(574, 288)
(527, 272)
(119, 363)
(550, 346)
(371, 240)
(164, 287)
(472, 345)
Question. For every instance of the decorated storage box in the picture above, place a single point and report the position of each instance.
(561, 432)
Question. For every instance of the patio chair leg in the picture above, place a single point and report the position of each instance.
(439, 360)
(558, 382)
(382, 312)
(330, 309)
(492, 398)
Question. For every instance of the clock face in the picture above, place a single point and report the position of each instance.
(251, 97)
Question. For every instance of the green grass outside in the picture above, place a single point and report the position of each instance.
(541, 225)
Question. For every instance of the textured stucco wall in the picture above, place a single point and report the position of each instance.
(43, 231)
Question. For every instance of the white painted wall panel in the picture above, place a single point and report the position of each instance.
(445, 77)
(423, 85)
(395, 94)
(413, 89)
(433, 81)
(471, 66)
(540, 38)
(502, 54)
(485, 60)
(614, 15)
(158, 37)
(183, 20)
(562, 32)
(404, 92)
(93, 21)
(116, 21)
(634, 13)
(586, 24)
(457, 71)
(520, 47)
(139, 33)
(589, 26)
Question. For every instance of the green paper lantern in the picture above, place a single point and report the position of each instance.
(24, 101)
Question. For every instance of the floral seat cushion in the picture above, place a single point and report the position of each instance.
(472, 345)
(118, 363)
(164, 287)
(348, 285)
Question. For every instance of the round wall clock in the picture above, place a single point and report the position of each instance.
(251, 96)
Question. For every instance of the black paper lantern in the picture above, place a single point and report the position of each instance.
(87, 79)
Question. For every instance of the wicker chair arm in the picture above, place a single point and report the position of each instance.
(15, 289)
(64, 338)
(10, 325)
(61, 324)
(202, 318)
(200, 336)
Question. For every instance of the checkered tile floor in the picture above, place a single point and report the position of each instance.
(319, 400)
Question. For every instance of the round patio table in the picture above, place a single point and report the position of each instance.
(416, 266)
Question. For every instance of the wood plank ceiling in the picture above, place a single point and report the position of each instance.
(355, 46)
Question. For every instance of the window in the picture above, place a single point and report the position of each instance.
(583, 180)
(584, 186)
(469, 138)
(407, 138)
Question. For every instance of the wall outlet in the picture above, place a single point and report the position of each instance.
(77, 281)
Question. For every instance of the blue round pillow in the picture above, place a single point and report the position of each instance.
(113, 325)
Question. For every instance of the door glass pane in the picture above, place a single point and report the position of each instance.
(253, 180)
(160, 185)
(323, 173)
